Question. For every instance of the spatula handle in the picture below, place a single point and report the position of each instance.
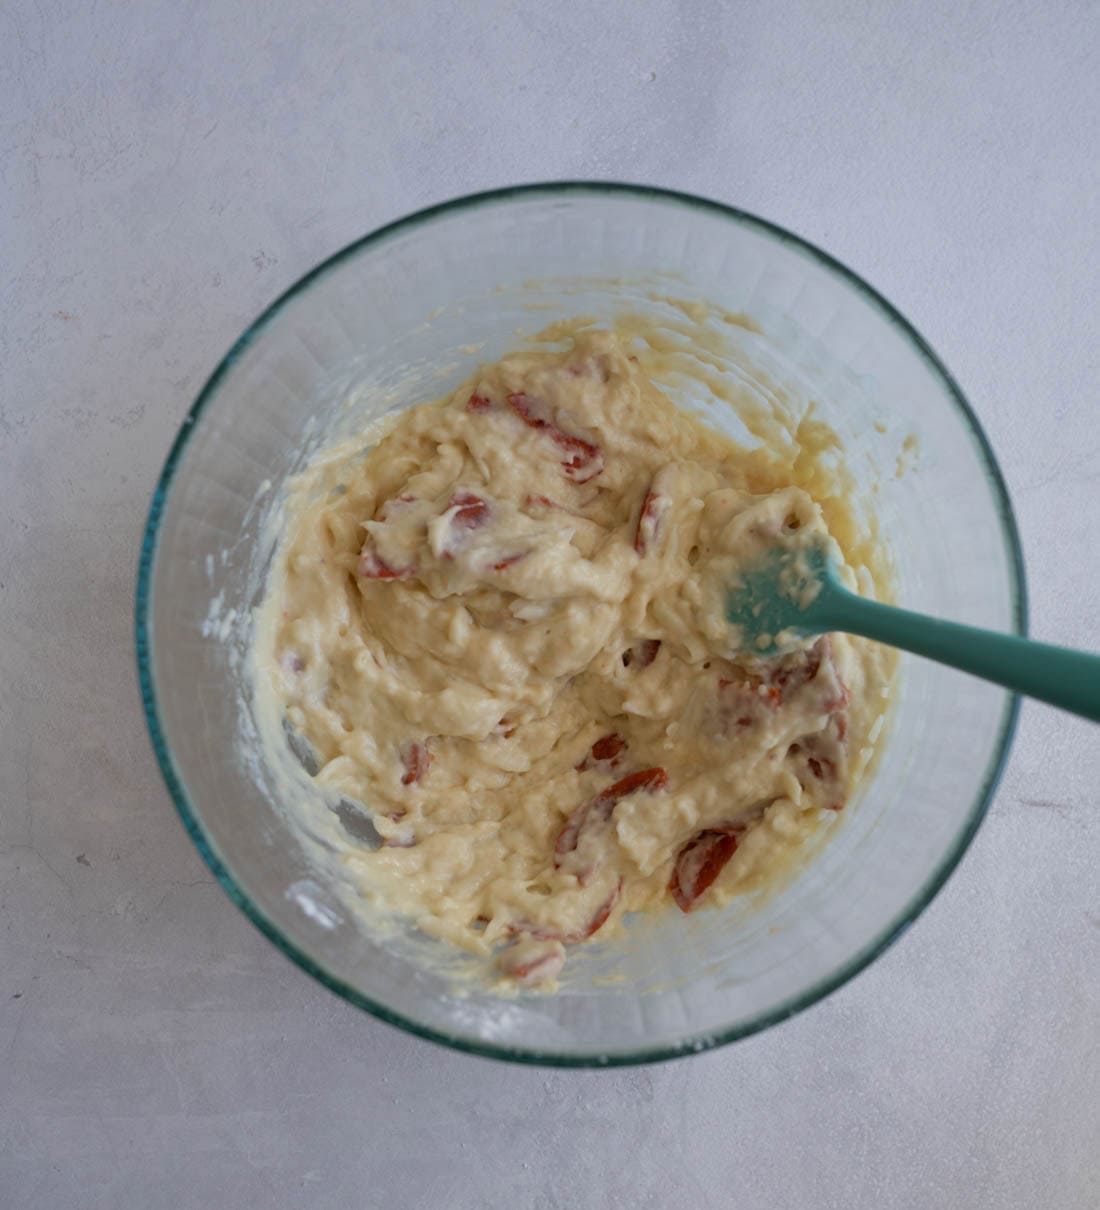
(1058, 675)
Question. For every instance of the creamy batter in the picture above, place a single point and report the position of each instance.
(501, 634)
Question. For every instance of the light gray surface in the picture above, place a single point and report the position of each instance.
(166, 168)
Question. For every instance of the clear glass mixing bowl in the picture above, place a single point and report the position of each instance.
(404, 315)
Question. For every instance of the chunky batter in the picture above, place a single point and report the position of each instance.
(501, 631)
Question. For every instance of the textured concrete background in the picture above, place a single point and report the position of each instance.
(166, 168)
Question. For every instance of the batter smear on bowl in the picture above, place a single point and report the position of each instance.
(502, 632)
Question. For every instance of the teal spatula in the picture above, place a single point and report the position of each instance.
(791, 595)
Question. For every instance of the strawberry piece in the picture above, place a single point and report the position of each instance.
(468, 512)
(478, 403)
(700, 862)
(816, 664)
(642, 654)
(650, 519)
(608, 748)
(416, 759)
(603, 912)
(544, 502)
(541, 502)
(820, 757)
(749, 694)
(798, 670)
(838, 703)
(606, 751)
(642, 779)
(821, 767)
(584, 461)
(530, 960)
(395, 504)
(527, 409)
(598, 920)
(373, 567)
(586, 817)
(593, 816)
(471, 512)
(509, 561)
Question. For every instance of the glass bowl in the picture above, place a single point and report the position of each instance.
(404, 315)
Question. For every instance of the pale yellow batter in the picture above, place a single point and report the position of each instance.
(501, 630)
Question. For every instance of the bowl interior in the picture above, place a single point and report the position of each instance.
(405, 315)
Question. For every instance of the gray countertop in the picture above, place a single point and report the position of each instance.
(167, 168)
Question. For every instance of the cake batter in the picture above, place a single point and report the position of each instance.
(501, 631)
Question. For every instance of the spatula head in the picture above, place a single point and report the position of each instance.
(771, 603)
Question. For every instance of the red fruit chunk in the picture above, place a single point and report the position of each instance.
(416, 759)
(509, 561)
(373, 567)
(746, 696)
(642, 779)
(700, 862)
(603, 912)
(653, 512)
(478, 403)
(799, 670)
(583, 461)
(394, 504)
(527, 409)
(606, 751)
(821, 767)
(599, 919)
(468, 512)
(817, 664)
(593, 815)
(820, 757)
(839, 703)
(471, 512)
(541, 502)
(608, 748)
(532, 961)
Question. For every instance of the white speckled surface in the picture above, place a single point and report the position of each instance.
(166, 168)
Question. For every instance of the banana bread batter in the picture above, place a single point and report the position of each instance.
(501, 631)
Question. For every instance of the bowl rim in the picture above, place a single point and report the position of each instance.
(793, 1004)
